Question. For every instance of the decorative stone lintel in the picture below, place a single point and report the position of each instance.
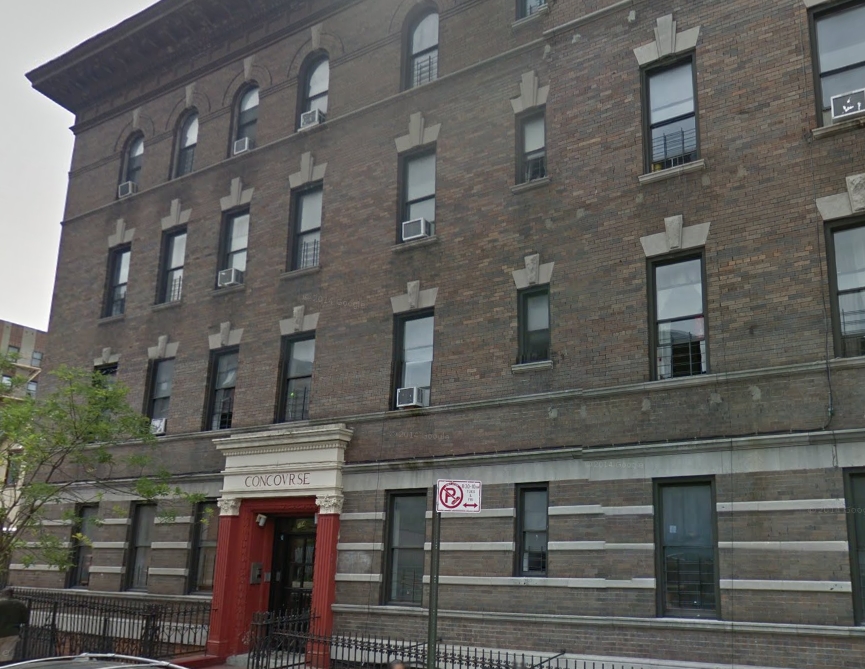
(228, 506)
(122, 234)
(842, 205)
(163, 349)
(309, 172)
(534, 273)
(107, 358)
(531, 94)
(225, 337)
(237, 196)
(414, 298)
(676, 236)
(418, 134)
(329, 504)
(176, 216)
(299, 322)
(667, 41)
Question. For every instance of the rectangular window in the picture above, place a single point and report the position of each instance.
(847, 280)
(162, 377)
(118, 278)
(223, 371)
(6, 381)
(687, 547)
(531, 151)
(139, 550)
(534, 319)
(173, 257)
(856, 535)
(528, 7)
(671, 116)
(307, 228)
(106, 374)
(679, 326)
(414, 351)
(298, 356)
(31, 388)
(406, 536)
(419, 189)
(13, 352)
(234, 242)
(839, 54)
(204, 547)
(532, 504)
(82, 548)
(36, 359)
(13, 467)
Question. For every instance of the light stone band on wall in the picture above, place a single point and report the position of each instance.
(167, 571)
(590, 509)
(121, 545)
(107, 569)
(17, 566)
(596, 546)
(483, 513)
(114, 521)
(361, 578)
(360, 546)
(171, 545)
(600, 583)
(362, 515)
(507, 546)
(782, 505)
(176, 520)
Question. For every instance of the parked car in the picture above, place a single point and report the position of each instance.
(94, 661)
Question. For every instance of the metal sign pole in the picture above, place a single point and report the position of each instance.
(432, 632)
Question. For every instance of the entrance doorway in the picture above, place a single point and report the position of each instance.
(293, 560)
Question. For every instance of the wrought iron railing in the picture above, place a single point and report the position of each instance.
(69, 624)
(534, 167)
(279, 639)
(674, 148)
(425, 69)
(308, 256)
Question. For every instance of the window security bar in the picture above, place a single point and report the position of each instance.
(174, 289)
(683, 355)
(674, 149)
(425, 69)
(534, 167)
(309, 254)
(297, 405)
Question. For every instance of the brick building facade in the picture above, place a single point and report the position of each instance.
(633, 309)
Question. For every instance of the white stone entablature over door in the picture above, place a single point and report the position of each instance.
(290, 462)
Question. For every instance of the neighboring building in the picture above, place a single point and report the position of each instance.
(26, 347)
(615, 251)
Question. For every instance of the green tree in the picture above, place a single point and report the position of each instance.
(77, 442)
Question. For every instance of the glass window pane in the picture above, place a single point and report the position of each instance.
(851, 308)
(123, 268)
(319, 103)
(177, 251)
(164, 377)
(423, 209)
(226, 372)
(137, 148)
(535, 510)
(145, 515)
(850, 258)
(408, 529)
(319, 79)
(674, 139)
(302, 357)
(533, 134)
(679, 289)
(687, 516)
(418, 332)
(417, 375)
(309, 210)
(239, 232)
(249, 100)
(421, 177)
(671, 93)
(190, 132)
(857, 484)
(426, 34)
(840, 83)
(538, 312)
(238, 260)
(841, 39)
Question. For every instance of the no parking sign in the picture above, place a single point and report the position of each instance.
(458, 496)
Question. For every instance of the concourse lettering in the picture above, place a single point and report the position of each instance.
(276, 480)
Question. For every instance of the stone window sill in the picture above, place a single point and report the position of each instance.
(105, 320)
(230, 290)
(531, 18)
(672, 172)
(531, 366)
(166, 305)
(838, 128)
(297, 273)
(408, 246)
(530, 185)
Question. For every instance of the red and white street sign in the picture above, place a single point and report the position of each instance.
(458, 496)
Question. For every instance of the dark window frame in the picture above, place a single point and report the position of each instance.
(389, 548)
(856, 574)
(814, 16)
(403, 204)
(671, 259)
(36, 361)
(519, 506)
(660, 578)
(239, 127)
(128, 171)
(524, 166)
(523, 296)
(225, 253)
(832, 267)
(80, 548)
(151, 385)
(308, 68)
(397, 362)
(197, 544)
(412, 22)
(285, 379)
(112, 284)
(170, 291)
(646, 73)
(212, 371)
(295, 253)
(183, 158)
(133, 548)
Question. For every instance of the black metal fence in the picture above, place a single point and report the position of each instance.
(69, 624)
(278, 639)
(298, 645)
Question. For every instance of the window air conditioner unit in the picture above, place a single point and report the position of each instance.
(848, 105)
(229, 277)
(126, 188)
(311, 118)
(157, 426)
(241, 145)
(412, 397)
(417, 228)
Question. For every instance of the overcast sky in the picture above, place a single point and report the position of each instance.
(36, 149)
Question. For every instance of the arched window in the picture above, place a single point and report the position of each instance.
(316, 86)
(424, 51)
(247, 116)
(133, 161)
(186, 140)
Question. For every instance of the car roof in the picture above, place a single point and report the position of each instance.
(93, 661)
